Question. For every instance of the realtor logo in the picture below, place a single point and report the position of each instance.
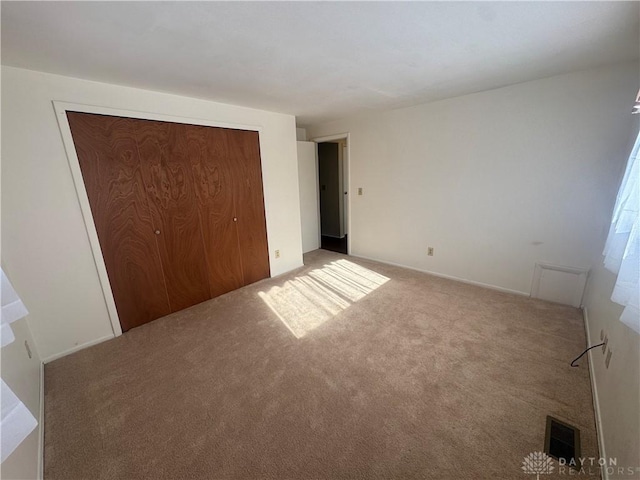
(537, 463)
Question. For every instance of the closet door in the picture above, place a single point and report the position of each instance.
(244, 160)
(208, 153)
(112, 174)
(171, 193)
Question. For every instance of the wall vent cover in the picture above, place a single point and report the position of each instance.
(559, 284)
(562, 440)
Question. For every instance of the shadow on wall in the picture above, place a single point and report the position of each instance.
(308, 301)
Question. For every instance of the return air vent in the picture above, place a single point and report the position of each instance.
(562, 441)
(559, 284)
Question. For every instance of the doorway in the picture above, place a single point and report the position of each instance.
(333, 189)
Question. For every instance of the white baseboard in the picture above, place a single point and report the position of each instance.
(41, 425)
(594, 389)
(55, 356)
(448, 277)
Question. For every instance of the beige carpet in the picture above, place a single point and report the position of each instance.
(345, 369)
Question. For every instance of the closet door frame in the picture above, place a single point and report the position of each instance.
(61, 109)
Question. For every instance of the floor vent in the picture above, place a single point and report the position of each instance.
(562, 441)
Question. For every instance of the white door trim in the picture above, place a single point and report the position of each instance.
(340, 136)
(61, 109)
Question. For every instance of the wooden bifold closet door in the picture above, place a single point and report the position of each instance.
(179, 210)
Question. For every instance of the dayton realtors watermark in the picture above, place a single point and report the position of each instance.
(595, 466)
(539, 463)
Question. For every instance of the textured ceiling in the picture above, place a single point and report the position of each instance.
(317, 60)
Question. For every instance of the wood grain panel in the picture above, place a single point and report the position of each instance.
(244, 159)
(207, 150)
(108, 156)
(173, 204)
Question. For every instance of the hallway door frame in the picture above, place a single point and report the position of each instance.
(347, 169)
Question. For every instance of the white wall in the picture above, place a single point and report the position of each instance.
(301, 134)
(22, 375)
(618, 387)
(308, 182)
(498, 180)
(44, 240)
(494, 181)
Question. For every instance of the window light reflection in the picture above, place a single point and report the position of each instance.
(308, 301)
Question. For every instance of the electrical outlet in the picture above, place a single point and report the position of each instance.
(430, 251)
(606, 342)
(26, 346)
(601, 335)
(608, 359)
(277, 253)
(359, 190)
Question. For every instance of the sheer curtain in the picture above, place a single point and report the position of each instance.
(622, 250)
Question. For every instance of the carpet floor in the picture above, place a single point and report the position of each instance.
(343, 369)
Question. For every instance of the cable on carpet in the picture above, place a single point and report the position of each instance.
(580, 356)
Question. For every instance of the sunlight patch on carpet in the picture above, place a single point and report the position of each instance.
(308, 301)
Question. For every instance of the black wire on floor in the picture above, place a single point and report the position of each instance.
(580, 356)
